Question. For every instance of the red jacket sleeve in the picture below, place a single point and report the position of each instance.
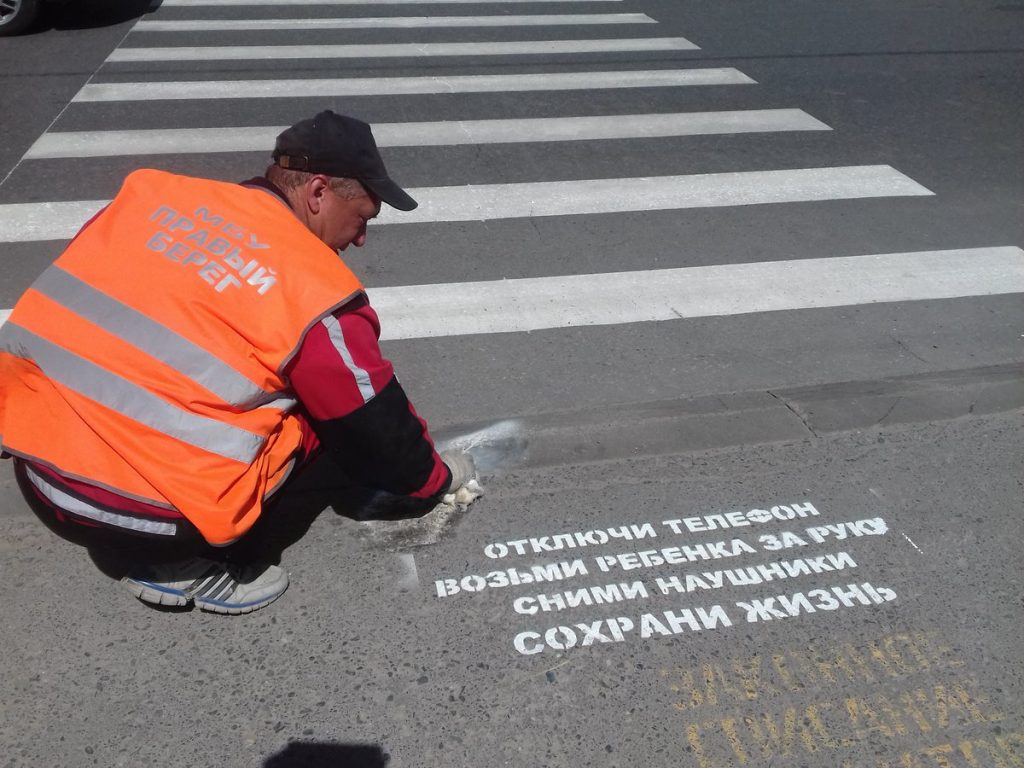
(358, 408)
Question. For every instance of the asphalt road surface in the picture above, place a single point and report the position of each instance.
(726, 297)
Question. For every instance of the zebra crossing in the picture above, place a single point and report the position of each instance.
(866, 278)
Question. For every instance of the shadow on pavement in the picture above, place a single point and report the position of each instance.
(309, 754)
(321, 485)
(284, 522)
(89, 14)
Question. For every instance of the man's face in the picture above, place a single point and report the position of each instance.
(343, 220)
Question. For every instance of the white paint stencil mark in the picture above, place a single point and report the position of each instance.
(498, 445)
(911, 542)
(409, 579)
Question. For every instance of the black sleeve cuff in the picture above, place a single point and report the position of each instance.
(382, 445)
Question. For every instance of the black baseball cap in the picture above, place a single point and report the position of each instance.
(341, 146)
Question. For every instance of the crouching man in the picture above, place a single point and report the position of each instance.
(196, 344)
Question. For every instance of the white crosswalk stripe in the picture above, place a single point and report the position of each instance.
(486, 202)
(27, 222)
(392, 22)
(22, 222)
(532, 304)
(237, 3)
(410, 50)
(404, 86)
(453, 132)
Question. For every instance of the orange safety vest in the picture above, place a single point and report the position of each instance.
(148, 359)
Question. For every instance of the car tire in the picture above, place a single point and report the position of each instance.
(17, 15)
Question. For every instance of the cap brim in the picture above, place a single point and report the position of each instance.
(390, 193)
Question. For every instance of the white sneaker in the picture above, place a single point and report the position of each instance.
(216, 587)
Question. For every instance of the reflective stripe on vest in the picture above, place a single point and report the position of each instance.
(128, 399)
(149, 336)
(82, 508)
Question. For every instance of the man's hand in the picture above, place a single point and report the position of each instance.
(460, 464)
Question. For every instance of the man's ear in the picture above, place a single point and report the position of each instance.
(316, 188)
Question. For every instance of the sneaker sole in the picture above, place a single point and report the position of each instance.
(156, 595)
(234, 609)
(149, 593)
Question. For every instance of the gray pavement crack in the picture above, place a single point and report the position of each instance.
(904, 346)
(891, 409)
(795, 412)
